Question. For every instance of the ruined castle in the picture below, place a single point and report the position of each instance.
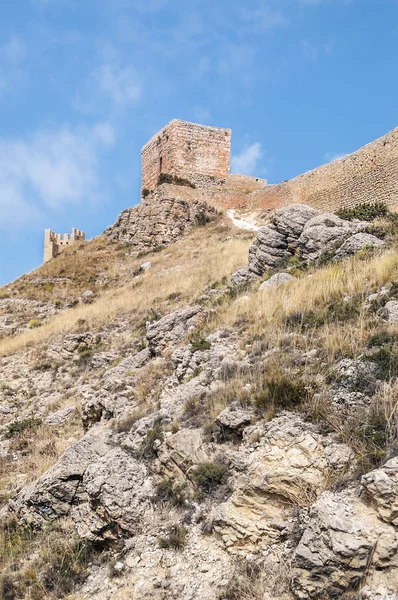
(191, 163)
(201, 155)
(55, 243)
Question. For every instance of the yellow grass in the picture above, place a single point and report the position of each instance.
(266, 310)
(202, 258)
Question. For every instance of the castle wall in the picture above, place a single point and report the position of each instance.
(368, 175)
(187, 150)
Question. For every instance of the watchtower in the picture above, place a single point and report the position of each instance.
(186, 150)
(55, 243)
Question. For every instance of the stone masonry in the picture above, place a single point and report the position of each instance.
(55, 243)
(186, 150)
(202, 155)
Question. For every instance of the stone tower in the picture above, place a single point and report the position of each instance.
(55, 243)
(186, 150)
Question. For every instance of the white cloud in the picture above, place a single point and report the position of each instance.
(245, 163)
(112, 83)
(121, 84)
(331, 156)
(49, 171)
(105, 133)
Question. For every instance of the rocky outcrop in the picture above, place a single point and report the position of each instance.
(173, 327)
(290, 465)
(344, 545)
(159, 221)
(102, 488)
(303, 231)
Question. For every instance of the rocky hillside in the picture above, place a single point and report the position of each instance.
(211, 417)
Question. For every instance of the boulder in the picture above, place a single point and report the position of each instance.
(358, 242)
(381, 486)
(291, 220)
(171, 329)
(102, 488)
(322, 234)
(343, 543)
(290, 466)
(276, 280)
(391, 311)
(268, 250)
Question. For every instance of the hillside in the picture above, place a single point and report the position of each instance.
(210, 417)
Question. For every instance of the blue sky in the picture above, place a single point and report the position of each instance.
(85, 83)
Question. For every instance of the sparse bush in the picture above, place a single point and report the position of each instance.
(36, 566)
(167, 490)
(33, 323)
(209, 475)
(18, 427)
(145, 192)
(282, 392)
(175, 180)
(200, 344)
(149, 443)
(386, 355)
(175, 538)
(364, 212)
(202, 219)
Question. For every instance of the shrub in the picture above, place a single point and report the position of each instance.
(386, 355)
(175, 180)
(282, 392)
(200, 344)
(209, 475)
(145, 192)
(365, 212)
(18, 427)
(33, 323)
(202, 218)
(148, 444)
(166, 490)
(176, 537)
(373, 434)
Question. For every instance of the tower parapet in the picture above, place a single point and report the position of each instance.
(55, 243)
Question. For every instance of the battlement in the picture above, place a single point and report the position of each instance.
(55, 243)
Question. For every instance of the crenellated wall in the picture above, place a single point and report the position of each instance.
(55, 243)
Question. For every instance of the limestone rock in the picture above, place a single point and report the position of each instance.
(101, 487)
(289, 466)
(242, 276)
(342, 542)
(381, 486)
(358, 242)
(269, 249)
(276, 280)
(232, 421)
(61, 416)
(158, 221)
(172, 328)
(391, 311)
(290, 220)
(321, 234)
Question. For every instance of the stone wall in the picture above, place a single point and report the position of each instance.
(368, 175)
(55, 243)
(187, 150)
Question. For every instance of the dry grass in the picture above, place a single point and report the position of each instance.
(203, 258)
(38, 449)
(264, 315)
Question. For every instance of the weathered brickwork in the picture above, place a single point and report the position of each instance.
(368, 175)
(55, 243)
(202, 155)
(187, 150)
